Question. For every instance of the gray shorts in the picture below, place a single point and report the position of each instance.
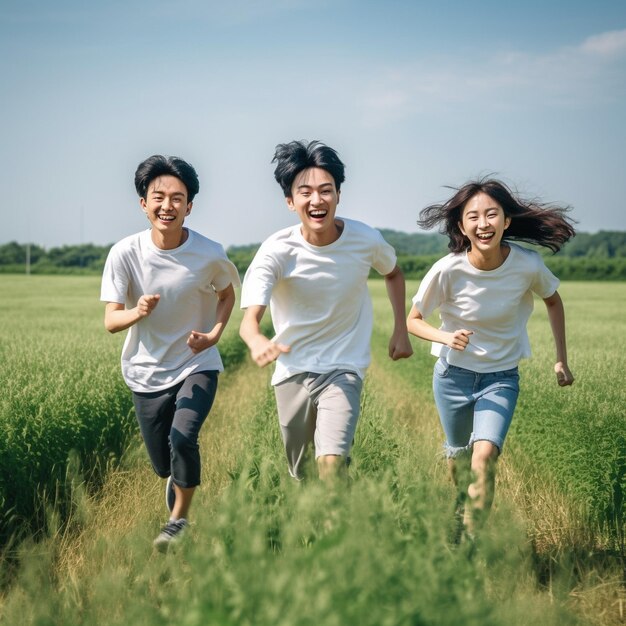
(319, 408)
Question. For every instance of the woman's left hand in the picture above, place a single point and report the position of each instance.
(563, 375)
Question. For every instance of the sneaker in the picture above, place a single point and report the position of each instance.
(170, 494)
(170, 534)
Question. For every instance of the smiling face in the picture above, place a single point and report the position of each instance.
(166, 207)
(314, 197)
(483, 222)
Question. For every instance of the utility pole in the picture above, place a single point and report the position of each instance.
(82, 234)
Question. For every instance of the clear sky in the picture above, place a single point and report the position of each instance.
(414, 95)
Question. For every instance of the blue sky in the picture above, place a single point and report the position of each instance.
(414, 96)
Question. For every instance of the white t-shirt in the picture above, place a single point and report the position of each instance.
(494, 304)
(155, 354)
(318, 297)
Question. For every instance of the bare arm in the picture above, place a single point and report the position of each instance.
(262, 349)
(198, 341)
(419, 327)
(556, 315)
(399, 344)
(117, 317)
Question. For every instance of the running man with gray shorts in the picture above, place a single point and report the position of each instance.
(314, 277)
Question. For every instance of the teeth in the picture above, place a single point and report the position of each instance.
(317, 213)
(167, 218)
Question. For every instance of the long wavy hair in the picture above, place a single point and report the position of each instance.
(544, 224)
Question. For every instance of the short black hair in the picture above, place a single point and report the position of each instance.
(293, 157)
(159, 165)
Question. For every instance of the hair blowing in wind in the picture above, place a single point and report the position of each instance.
(532, 221)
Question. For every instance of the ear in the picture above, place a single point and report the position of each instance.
(189, 208)
(507, 222)
(143, 204)
(338, 195)
(290, 204)
(460, 225)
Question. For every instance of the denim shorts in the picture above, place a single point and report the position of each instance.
(474, 406)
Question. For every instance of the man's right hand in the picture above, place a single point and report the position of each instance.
(146, 304)
(264, 351)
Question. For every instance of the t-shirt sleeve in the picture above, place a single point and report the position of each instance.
(260, 279)
(114, 287)
(544, 282)
(384, 258)
(224, 272)
(430, 293)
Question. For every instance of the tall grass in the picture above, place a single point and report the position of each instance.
(265, 550)
(578, 435)
(61, 392)
(65, 410)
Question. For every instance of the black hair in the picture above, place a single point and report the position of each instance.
(293, 157)
(159, 165)
(532, 221)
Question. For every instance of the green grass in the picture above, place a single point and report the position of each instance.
(270, 551)
(61, 392)
(65, 409)
(578, 434)
(264, 550)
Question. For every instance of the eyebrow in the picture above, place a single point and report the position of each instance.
(306, 186)
(475, 211)
(156, 192)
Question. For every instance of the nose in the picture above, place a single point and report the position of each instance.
(483, 222)
(316, 198)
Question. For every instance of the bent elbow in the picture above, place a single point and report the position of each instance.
(394, 274)
(110, 327)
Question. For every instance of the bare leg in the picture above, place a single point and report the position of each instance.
(481, 490)
(332, 468)
(183, 501)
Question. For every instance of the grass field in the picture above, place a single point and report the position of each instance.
(266, 551)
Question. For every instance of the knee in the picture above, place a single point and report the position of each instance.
(483, 454)
(181, 444)
(331, 460)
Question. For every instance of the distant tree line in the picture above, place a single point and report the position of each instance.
(598, 256)
(80, 259)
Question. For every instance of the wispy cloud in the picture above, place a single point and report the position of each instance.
(610, 44)
(588, 74)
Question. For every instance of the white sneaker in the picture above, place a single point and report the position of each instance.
(170, 534)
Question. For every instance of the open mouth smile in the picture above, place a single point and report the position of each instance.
(485, 236)
(318, 213)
